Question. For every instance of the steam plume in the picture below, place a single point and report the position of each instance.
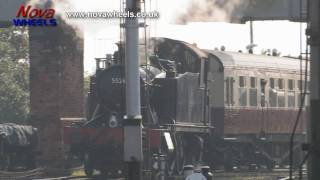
(209, 10)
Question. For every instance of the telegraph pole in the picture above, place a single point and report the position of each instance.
(314, 33)
(132, 121)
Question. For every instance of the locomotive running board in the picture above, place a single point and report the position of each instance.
(190, 128)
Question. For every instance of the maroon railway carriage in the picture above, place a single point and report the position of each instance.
(261, 99)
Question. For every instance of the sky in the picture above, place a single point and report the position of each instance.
(101, 35)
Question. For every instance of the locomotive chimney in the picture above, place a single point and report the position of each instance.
(171, 73)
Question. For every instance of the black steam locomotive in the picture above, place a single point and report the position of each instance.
(196, 109)
(174, 106)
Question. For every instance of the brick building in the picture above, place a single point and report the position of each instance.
(56, 85)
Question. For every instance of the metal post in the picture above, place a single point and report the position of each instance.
(132, 122)
(162, 167)
(251, 32)
(251, 37)
(314, 33)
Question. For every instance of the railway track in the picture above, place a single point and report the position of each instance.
(21, 175)
(39, 174)
(276, 174)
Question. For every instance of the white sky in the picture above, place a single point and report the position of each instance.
(100, 35)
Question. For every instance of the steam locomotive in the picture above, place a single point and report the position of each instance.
(198, 106)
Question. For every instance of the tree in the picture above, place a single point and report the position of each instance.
(269, 52)
(86, 89)
(14, 75)
(86, 83)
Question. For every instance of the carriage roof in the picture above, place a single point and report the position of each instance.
(235, 59)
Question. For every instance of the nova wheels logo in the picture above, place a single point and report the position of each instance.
(33, 17)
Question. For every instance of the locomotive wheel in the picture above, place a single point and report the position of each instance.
(270, 165)
(88, 168)
(104, 173)
(228, 161)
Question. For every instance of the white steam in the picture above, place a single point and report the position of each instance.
(208, 10)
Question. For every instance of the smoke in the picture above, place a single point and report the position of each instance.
(60, 6)
(209, 10)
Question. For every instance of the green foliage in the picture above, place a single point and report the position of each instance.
(86, 89)
(14, 75)
(86, 84)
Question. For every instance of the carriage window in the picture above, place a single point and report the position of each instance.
(290, 84)
(291, 94)
(272, 84)
(226, 91)
(291, 99)
(253, 92)
(242, 96)
(281, 93)
(253, 82)
(229, 90)
(281, 99)
(253, 97)
(280, 83)
(189, 64)
(272, 94)
(242, 81)
(263, 83)
(272, 98)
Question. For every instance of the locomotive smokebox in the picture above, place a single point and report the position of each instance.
(110, 87)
